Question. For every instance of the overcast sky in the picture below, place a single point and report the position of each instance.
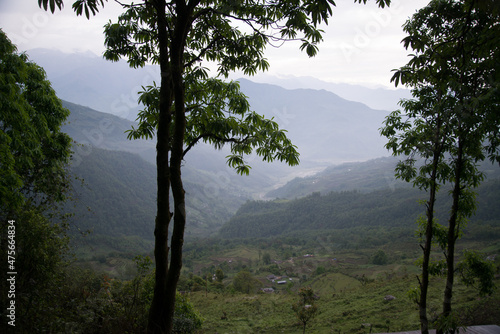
(362, 43)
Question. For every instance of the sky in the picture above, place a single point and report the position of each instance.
(362, 43)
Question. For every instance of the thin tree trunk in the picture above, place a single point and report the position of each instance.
(177, 43)
(452, 235)
(158, 314)
(424, 283)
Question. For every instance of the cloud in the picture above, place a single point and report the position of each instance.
(361, 43)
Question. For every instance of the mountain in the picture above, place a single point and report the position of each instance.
(375, 98)
(326, 127)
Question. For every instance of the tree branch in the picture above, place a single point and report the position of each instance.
(213, 136)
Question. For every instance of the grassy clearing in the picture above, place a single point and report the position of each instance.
(351, 293)
(344, 306)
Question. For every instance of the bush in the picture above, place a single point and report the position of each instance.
(380, 258)
(186, 318)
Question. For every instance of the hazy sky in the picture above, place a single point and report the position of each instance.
(362, 43)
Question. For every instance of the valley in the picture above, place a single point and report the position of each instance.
(339, 223)
(169, 185)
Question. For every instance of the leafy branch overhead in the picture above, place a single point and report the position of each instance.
(218, 113)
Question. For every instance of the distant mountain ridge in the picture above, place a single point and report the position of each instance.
(89, 80)
(375, 98)
(326, 128)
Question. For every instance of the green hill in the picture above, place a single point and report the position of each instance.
(387, 208)
(364, 176)
(361, 176)
(118, 197)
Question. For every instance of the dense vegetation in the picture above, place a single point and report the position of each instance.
(34, 183)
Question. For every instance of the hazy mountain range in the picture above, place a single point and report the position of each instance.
(119, 174)
(91, 81)
(325, 127)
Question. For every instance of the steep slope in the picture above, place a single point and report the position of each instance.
(116, 196)
(92, 128)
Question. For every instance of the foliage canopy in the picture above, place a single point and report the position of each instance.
(33, 180)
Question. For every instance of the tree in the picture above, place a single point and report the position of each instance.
(266, 258)
(219, 275)
(452, 122)
(380, 258)
(33, 181)
(188, 107)
(305, 309)
(244, 282)
(422, 134)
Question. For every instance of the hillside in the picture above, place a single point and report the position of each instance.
(389, 208)
(118, 197)
(92, 128)
(115, 195)
(360, 176)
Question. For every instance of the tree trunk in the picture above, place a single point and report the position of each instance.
(158, 314)
(424, 283)
(452, 236)
(169, 172)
